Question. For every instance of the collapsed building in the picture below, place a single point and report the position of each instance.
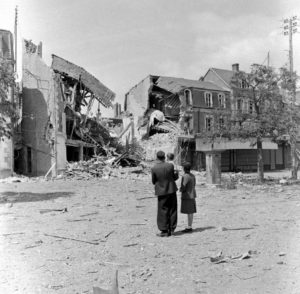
(191, 105)
(56, 123)
(186, 103)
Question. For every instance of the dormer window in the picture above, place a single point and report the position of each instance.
(243, 84)
(221, 100)
(188, 97)
(208, 99)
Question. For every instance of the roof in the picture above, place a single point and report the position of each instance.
(224, 74)
(103, 94)
(175, 85)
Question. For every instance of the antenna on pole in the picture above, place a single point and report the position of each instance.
(16, 36)
(268, 59)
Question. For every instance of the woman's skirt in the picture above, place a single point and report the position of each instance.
(188, 206)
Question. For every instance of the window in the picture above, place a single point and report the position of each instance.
(221, 123)
(239, 104)
(221, 100)
(188, 97)
(29, 166)
(251, 108)
(245, 106)
(243, 84)
(208, 99)
(208, 123)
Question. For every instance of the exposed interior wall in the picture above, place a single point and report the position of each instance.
(136, 100)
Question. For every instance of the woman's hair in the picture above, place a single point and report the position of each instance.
(170, 156)
(187, 167)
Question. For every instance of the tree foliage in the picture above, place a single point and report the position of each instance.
(7, 87)
(265, 110)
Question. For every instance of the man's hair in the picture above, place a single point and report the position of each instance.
(187, 167)
(160, 155)
(170, 156)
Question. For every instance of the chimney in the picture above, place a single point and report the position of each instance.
(40, 49)
(235, 67)
(116, 108)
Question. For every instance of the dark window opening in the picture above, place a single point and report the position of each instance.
(73, 153)
(29, 158)
(208, 123)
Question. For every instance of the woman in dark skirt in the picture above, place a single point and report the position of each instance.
(188, 195)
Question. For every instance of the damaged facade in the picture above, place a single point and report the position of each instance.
(57, 101)
(187, 103)
(191, 105)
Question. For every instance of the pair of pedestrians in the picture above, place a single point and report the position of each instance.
(163, 179)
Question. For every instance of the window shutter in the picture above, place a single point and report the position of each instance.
(196, 121)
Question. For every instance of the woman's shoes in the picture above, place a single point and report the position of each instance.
(188, 230)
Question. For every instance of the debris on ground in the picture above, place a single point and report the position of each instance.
(73, 239)
(63, 210)
(114, 289)
(127, 165)
(220, 258)
(160, 141)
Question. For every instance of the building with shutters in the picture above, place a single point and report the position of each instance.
(242, 156)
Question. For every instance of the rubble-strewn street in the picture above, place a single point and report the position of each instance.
(66, 236)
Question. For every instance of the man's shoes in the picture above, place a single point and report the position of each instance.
(187, 230)
(163, 234)
(170, 233)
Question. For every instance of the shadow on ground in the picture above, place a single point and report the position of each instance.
(197, 230)
(31, 197)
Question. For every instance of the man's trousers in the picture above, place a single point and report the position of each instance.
(167, 212)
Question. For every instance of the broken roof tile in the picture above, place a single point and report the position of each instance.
(103, 94)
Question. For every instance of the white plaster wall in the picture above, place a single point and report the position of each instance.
(6, 156)
(137, 98)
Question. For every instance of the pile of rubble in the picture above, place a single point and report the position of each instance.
(125, 165)
(161, 141)
(101, 168)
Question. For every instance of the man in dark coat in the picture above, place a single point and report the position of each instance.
(163, 179)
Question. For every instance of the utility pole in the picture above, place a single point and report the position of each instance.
(16, 35)
(290, 28)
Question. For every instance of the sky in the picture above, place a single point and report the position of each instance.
(122, 41)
